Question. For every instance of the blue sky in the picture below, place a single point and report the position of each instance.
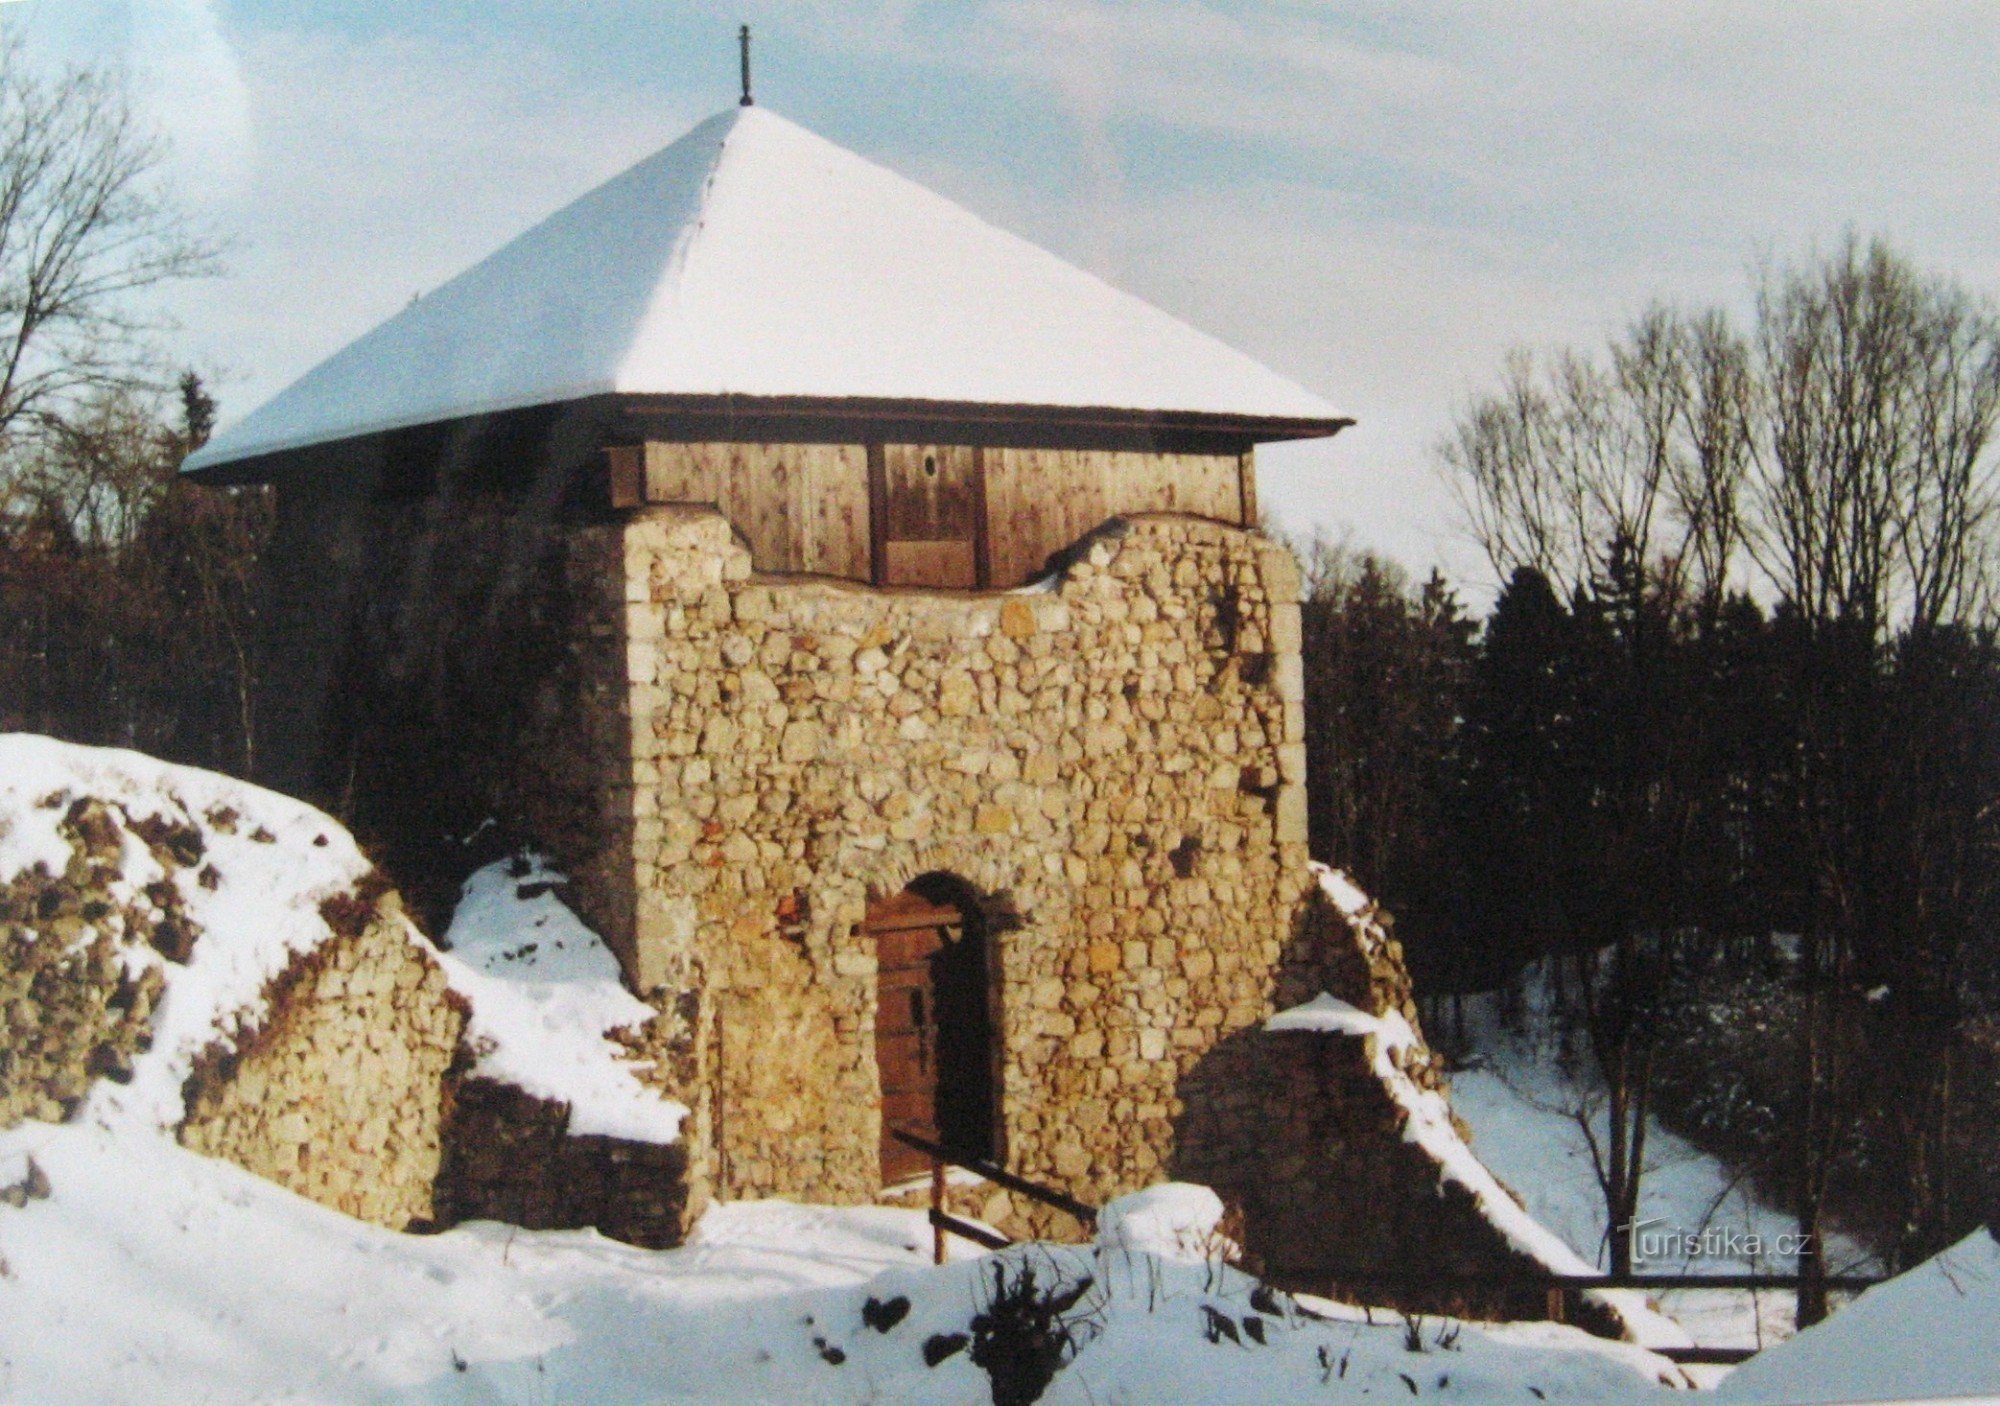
(1376, 199)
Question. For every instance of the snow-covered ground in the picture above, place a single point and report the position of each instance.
(149, 1274)
(1520, 1099)
(546, 994)
(1932, 1333)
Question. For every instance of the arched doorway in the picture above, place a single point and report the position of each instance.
(934, 1025)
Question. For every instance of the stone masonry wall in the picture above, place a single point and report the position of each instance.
(1114, 763)
(509, 1157)
(340, 1093)
(73, 1006)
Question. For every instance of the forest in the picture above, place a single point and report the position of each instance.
(1721, 763)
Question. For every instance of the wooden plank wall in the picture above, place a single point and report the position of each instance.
(807, 507)
(1038, 501)
(802, 507)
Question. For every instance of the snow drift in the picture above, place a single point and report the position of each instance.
(146, 1273)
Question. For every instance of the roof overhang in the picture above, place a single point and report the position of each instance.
(562, 434)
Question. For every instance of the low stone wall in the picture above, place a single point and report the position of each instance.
(509, 1158)
(339, 1094)
(348, 1088)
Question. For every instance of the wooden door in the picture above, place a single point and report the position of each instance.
(930, 504)
(909, 933)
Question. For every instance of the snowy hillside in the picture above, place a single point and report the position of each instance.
(1931, 1333)
(1520, 1098)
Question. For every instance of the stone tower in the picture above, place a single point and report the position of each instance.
(868, 609)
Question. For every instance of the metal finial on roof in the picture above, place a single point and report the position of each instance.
(743, 39)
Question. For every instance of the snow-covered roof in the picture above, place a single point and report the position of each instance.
(753, 258)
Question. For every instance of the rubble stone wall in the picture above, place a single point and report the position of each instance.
(340, 1093)
(1114, 763)
(73, 1007)
(509, 1157)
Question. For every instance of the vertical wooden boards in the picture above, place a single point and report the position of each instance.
(931, 515)
(1204, 485)
(682, 473)
(940, 515)
(1038, 501)
(801, 507)
(832, 505)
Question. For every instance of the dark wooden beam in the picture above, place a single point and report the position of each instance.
(982, 542)
(498, 442)
(878, 515)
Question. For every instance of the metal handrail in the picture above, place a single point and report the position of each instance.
(1556, 1286)
(943, 1221)
(998, 1175)
(1514, 1279)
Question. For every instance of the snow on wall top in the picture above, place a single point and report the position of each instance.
(545, 995)
(543, 989)
(271, 861)
(753, 257)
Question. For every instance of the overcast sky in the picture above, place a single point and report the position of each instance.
(1377, 200)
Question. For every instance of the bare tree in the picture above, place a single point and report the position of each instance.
(84, 226)
(1647, 448)
(1875, 487)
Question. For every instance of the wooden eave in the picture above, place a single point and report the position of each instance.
(567, 432)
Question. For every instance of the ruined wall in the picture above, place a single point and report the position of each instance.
(339, 1094)
(73, 1006)
(1115, 764)
(1298, 1131)
(509, 1157)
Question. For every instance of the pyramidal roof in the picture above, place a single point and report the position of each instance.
(753, 258)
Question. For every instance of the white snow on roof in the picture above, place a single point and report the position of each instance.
(752, 257)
